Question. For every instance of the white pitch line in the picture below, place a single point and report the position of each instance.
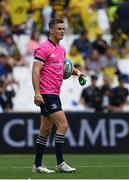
(87, 166)
(65, 179)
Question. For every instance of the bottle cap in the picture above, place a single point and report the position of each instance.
(82, 80)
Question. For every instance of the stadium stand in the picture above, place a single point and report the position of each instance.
(96, 17)
(71, 89)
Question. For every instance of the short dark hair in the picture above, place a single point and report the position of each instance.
(121, 77)
(54, 22)
(94, 77)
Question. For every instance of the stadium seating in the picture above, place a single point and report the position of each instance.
(71, 89)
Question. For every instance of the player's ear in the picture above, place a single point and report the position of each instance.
(51, 30)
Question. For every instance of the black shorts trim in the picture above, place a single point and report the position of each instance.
(52, 104)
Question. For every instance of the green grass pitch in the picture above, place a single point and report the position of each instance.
(88, 167)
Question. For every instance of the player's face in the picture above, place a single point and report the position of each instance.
(57, 31)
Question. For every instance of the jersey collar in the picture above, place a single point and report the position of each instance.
(51, 42)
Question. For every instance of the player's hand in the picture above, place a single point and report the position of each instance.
(38, 100)
(80, 73)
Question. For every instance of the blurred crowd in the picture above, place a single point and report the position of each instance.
(105, 98)
(90, 51)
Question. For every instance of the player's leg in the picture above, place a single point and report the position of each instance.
(61, 123)
(45, 129)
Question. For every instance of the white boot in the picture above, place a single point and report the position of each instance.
(41, 169)
(63, 167)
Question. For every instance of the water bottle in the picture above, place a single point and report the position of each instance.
(82, 80)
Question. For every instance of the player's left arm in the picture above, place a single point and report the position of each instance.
(76, 72)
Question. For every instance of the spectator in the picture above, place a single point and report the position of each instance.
(75, 9)
(33, 43)
(76, 58)
(105, 92)
(119, 95)
(99, 44)
(90, 20)
(60, 8)
(93, 63)
(7, 91)
(110, 64)
(109, 60)
(91, 96)
(37, 8)
(83, 44)
(120, 44)
(18, 12)
(15, 57)
(112, 9)
(46, 16)
(5, 22)
(6, 96)
(123, 17)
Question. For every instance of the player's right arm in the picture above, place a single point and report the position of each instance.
(36, 68)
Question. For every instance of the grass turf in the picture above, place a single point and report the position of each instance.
(88, 167)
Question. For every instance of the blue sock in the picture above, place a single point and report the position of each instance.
(59, 145)
(40, 147)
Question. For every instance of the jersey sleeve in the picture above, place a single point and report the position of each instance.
(40, 54)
